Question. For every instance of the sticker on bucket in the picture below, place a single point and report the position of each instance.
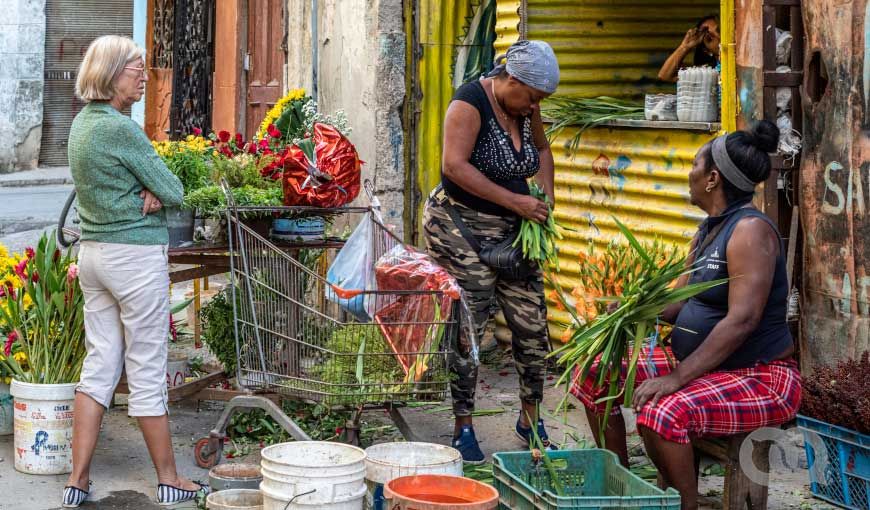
(43, 416)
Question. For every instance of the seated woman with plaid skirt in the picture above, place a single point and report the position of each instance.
(734, 369)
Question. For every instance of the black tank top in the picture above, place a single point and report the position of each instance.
(494, 154)
(701, 313)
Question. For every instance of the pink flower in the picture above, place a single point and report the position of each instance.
(72, 273)
(19, 269)
(29, 252)
(10, 339)
(264, 144)
(197, 131)
(35, 276)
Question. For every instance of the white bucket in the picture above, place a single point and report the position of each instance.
(235, 499)
(313, 475)
(43, 427)
(177, 368)
(388, 461)
(6, 410)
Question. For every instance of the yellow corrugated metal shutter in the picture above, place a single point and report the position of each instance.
(605, 47)
(441, 29)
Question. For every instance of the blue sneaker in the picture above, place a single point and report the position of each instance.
(525, 434)
(467, 445)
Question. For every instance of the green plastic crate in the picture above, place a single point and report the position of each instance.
(592, 478)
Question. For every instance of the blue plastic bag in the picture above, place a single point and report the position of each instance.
(353, 270)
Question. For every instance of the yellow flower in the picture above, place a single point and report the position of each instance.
(28, 301)
(11, 280)
(4, 253)
(19, 357)
(278, 109)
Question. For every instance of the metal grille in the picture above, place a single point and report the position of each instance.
(291, 339)
(164, 24)
(70, 28)
(193, 61)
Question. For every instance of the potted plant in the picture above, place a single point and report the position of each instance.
(189, 160)
(42, 316)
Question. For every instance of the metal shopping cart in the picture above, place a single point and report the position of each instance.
(302, 338)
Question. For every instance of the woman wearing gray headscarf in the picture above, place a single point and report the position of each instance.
(493, 142)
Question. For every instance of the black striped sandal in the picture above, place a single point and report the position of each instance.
(167, 495)
(73, 497)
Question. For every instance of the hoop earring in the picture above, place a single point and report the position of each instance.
(709, 188)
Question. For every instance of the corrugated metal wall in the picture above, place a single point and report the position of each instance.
(441, 25)
(637, 175)
(70, 28)
(606, 47)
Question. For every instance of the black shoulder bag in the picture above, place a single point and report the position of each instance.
(503, 257)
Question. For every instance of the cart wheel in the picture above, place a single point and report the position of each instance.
(205, 454)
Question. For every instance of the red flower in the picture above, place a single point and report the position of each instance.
(35, 276)
(251, 148)
(273, 131)
(56, 256)
(197, 131)
(29, 252)
(10, 339)
(239, 140)
(226, 151)
(224, 136)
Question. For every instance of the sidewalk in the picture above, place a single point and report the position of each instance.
(38, 177)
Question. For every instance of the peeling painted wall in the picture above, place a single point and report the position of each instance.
(361, 70)
(750, 62)
(834, 197)
(22, 60)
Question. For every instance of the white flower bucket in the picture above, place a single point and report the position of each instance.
(43, 427)
(177, 369)
(313, 475)
(6, 419)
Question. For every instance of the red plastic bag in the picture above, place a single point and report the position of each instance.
(414, 324)
(332, 180)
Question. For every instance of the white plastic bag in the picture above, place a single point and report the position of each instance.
(352, 272)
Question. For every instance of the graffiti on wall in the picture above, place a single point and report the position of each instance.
(844, 196)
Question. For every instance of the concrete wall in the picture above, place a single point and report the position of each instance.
(360, 68)
(22, 59)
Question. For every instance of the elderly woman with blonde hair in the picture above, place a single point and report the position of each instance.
(122, 186)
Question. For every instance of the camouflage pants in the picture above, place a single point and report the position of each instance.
(522, 302)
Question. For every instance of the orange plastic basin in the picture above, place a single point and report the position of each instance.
(439, 492)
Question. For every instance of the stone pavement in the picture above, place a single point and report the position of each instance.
(124, 478)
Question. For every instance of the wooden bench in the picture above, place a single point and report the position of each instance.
(739, 493)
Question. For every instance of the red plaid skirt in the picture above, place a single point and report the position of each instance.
(720, 403)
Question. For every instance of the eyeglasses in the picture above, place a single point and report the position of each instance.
(139, 70)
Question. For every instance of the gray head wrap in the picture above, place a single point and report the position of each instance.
(727, 167)
(533, 63)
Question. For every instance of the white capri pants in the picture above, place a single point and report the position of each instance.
(126, 291)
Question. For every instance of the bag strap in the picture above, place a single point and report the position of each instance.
(710, 237)
(463, 228)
